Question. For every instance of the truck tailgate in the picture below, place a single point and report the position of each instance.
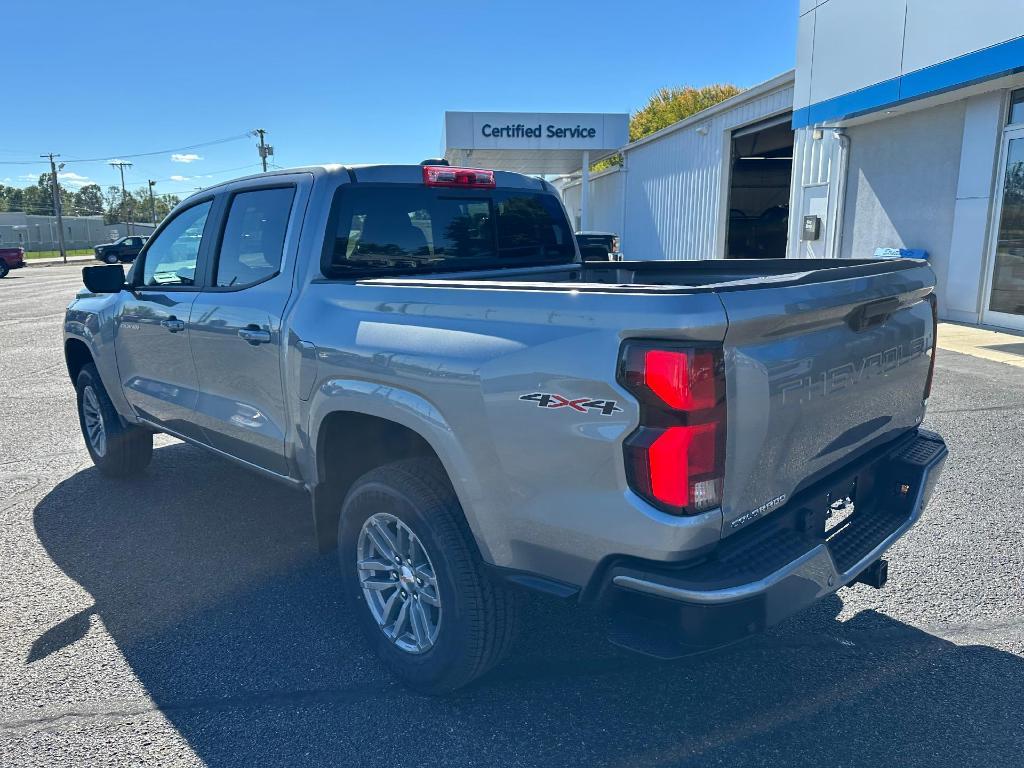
(817, 373)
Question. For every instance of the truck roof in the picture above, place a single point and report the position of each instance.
(381, 173)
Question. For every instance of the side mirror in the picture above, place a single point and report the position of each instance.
(108, 278)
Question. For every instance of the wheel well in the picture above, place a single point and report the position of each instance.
(348, 446)
(77, 356)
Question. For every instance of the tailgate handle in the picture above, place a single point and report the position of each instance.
(872, 313)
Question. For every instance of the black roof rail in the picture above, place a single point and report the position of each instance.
(435, 161)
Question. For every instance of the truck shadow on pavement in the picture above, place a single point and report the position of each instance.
(207, 579)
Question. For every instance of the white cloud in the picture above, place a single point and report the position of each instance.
(72, 179)
(29, 177)
(180, 178)
(186, 158)
(113, 160)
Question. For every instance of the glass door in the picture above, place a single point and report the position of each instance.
(1005, 300)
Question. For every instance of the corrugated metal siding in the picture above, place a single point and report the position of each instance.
(606, 201)
(606, 197)
(812, 158)
(674, 198)
(811, 192)
(571, 200)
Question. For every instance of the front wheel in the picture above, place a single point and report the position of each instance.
(116, 450)
(416, 582)
(110, 258)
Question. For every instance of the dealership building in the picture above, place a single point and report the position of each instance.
(900, 129)
(908, 120)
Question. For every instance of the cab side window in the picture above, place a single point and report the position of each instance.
(171, 257)
(253, 241)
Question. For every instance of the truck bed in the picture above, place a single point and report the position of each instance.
(665, 276)
(824, 358)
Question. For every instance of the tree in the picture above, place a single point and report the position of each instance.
(88, 201)
(112, 206)
(37, 199)
(162, 204)
(668, 106)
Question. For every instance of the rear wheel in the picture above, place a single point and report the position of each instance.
(116, 450)
(4, 269)
(416, 581)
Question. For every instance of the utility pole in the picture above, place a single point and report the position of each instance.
(265, 149)
(55, 191)
(152, 205)
(121, 165)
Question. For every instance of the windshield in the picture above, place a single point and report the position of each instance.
(404, 228)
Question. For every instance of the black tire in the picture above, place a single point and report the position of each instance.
(479, 615)
(128, 449)
(111, 258)
(4, 269)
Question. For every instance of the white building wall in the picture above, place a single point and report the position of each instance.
(984, 116)
(39, 233)
(902, 185)
(920, 87)
(606, 200)
(812, 195)
(849, 45)
(676, 180)
(571, 193)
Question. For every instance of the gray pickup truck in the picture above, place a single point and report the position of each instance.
(701, 448)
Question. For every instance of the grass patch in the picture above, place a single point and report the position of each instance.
(56, 254)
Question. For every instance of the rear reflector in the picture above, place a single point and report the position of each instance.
(446, 176)
(935, 346)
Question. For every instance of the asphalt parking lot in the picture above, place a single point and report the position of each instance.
(185, 618)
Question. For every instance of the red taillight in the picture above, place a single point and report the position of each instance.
(446, 176)
(676, 458)
(935, 346)
(683, 380)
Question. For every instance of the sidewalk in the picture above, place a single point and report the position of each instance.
(58, 260)
(1001, 346)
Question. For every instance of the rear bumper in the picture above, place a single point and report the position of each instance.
(782, 564)
(11, 264)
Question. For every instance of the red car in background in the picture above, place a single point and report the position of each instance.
(11, 258)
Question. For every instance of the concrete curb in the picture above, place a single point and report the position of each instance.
(58, 262)
(990, 344)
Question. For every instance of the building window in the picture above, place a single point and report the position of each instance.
(1017, 107)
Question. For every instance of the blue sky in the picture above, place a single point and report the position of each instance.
(342, 81)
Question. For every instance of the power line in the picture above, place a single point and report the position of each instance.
(117, 155)
(209, 173)
(45, 210)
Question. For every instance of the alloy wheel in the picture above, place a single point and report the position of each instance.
(399, 583)
(92, 416)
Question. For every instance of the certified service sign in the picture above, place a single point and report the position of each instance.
(519, 140)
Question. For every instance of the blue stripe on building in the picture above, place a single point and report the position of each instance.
(987, 64)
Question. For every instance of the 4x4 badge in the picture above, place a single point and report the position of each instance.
(581, 404)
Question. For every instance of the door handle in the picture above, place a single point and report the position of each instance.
(873, 313)
(173, 324)
(254, 335)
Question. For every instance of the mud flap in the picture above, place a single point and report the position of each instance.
(326, 514)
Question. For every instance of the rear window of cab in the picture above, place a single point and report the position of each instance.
(396, 229)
